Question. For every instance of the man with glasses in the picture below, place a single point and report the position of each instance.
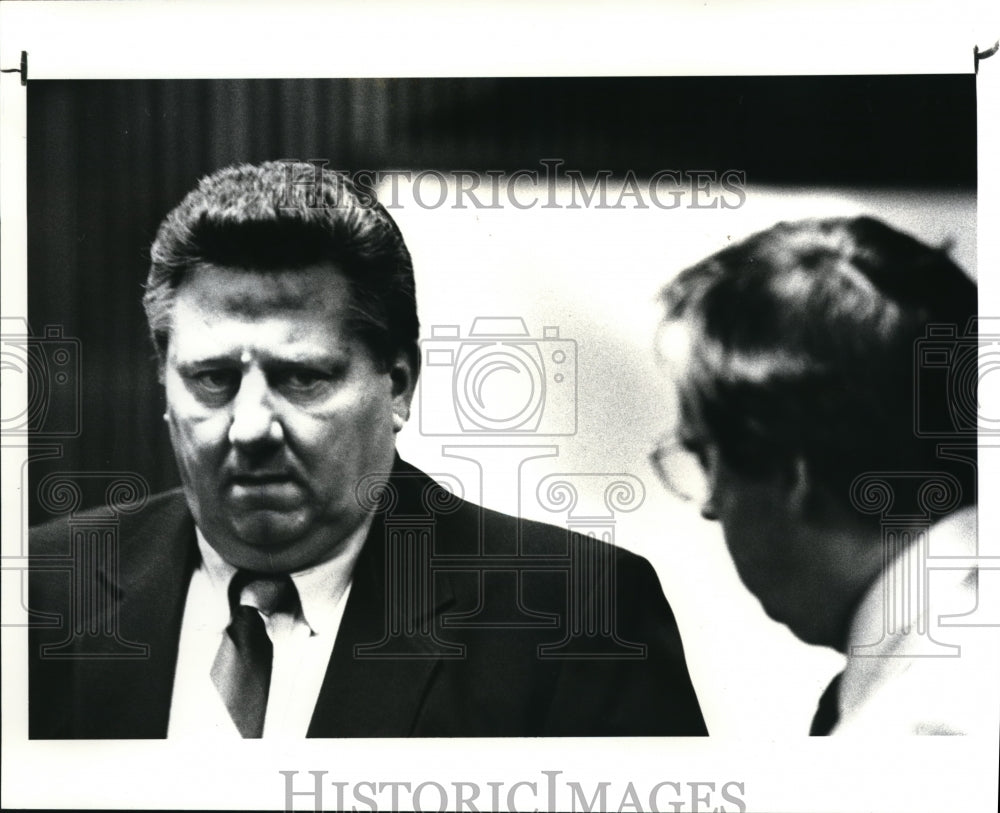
(832, 461)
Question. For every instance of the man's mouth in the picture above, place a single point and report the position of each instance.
(265, 489)
(251, 479)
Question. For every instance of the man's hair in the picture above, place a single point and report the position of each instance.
(803, 345)
(285, 215)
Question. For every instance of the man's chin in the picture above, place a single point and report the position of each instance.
(265, 544)
(776, 613)
(259, 540)
(269, 529)
(271, 541)
(802, 626)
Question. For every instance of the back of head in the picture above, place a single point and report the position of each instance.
(284, 215)
(803, 346)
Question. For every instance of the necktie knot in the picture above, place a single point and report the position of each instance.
(267, 592)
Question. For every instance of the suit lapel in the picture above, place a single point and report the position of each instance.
(376, 681)
(130, 697)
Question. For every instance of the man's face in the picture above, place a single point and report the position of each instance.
(779, 557)
(758, 515)
(786, 561)
(276, 412)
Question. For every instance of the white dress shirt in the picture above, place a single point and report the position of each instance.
(302, 643)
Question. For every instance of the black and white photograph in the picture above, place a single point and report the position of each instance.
(495, 436)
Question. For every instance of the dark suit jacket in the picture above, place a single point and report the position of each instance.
(570, 637)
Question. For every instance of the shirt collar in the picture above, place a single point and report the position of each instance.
(321, 587)
(871, 649)
(954, 535)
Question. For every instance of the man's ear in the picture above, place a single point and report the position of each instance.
(403, 374)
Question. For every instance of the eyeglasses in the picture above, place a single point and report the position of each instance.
(682, 471)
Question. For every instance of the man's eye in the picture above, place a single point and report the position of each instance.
(216, 382)
(303, 381)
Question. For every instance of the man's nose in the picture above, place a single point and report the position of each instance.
(255, 421)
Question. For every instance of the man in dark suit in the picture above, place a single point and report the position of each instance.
(305, 581)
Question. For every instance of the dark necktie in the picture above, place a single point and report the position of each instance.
(827, 712)
(242, 667)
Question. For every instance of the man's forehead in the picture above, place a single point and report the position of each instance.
(254, 294)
